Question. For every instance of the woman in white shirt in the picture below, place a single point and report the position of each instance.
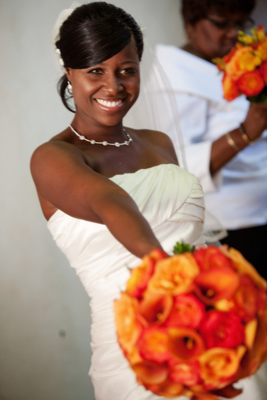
(217, 134)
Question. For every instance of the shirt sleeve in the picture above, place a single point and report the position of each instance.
(202, 122)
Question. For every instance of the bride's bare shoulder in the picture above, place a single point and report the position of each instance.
(156, 138)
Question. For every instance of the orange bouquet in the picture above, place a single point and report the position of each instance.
(245, 67)
(194, 323)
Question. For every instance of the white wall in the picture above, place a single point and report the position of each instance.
(44, 312)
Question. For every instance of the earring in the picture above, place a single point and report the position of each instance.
(69, 87)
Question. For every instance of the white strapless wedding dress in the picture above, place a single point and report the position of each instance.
(171, 199)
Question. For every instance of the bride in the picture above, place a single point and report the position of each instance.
(110, 193)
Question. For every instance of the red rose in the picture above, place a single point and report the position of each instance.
(230, 88)
(251, 83)
(263, 71)
(187, 311)
(222, 329)
(211, 256)
(245, 299)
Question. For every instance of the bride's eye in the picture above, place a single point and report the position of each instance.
(128, 71)
(96, 71)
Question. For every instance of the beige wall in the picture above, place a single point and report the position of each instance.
(44, 312)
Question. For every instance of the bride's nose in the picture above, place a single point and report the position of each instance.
(113, 84)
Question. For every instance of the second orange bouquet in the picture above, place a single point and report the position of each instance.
(194, 323)
(245, 67)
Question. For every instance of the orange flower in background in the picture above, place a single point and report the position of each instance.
(174, 275)
(251, 83)
(261, 50)
(127, 323)
(195, 323)
(222, 329)
(187, 311)
(244, 67)
(263, 71)
(243, 60)
(230, 88)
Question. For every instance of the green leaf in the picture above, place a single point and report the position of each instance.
(182, 247)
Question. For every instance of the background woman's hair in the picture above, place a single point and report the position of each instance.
(194, 10)
(94, 33)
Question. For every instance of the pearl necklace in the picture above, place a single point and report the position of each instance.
(105, 143)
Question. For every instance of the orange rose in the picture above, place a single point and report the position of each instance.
(174, 275)
(218, 366)
(153, 344)
(263, 71)
(215, 284)
(251, 83)
(127, 324)
(211, 256)
(186, 373)
(242, 61)
(261, 50)
(187, 311)
(230, 88)
(140, 275)
(243, 266)
(155, 308)
(222, 329)
(168, 389)
(150, 373)
(185, 344)
(245, 299)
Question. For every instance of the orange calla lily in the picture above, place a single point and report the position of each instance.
(185, 344)
(215, 284)
(155, 308)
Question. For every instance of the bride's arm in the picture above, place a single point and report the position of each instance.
(64, 179)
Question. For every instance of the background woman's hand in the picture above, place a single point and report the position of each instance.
(256, 120)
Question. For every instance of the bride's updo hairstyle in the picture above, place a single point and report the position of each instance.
(195, 10)
(94, 33)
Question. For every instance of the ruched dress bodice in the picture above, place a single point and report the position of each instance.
(171, 199)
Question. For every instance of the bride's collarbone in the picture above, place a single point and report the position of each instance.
(110, 160)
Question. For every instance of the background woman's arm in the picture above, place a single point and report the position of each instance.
(225, 148)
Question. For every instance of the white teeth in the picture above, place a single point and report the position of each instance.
(109, 103)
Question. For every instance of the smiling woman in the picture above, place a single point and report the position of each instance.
(218, 135)
(110, 193)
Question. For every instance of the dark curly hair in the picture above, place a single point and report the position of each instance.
(94, 33)
(194, 10)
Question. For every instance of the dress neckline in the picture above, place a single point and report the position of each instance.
(117, 176)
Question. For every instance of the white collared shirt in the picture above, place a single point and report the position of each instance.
(237, 194)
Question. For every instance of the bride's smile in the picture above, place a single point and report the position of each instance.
(105, 92)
